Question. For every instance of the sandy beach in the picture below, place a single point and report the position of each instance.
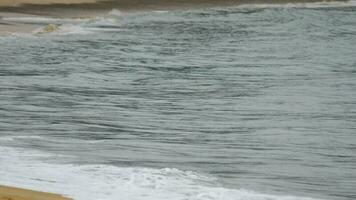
(12, 193)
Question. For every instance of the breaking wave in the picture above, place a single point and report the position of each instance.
(24, 168)
(322, 4)
(108, 22)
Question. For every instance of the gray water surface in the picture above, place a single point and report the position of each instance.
(262, 98)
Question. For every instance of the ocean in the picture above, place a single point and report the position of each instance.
(253, 102)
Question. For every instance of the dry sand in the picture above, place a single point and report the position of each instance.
(12, 193)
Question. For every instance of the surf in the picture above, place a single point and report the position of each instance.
(28, 168)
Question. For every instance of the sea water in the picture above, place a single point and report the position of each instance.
(254, 102)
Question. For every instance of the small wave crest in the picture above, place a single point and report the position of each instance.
(11, 138)
(322, 4)
(108, 22)
(94, 182)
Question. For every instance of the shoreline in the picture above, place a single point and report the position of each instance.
(15, 193)
(53, 7)
(94, 8)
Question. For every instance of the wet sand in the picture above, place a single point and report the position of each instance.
(12, 193)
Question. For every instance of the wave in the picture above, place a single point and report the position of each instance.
(12, 138)
(321, 4)
(107, 22)
(110, 22)
(23, 168)
(42, 20)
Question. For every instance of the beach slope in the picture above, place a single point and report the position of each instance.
(12, 193)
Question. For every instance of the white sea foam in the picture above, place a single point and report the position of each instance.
(24, 168)
(115, 13)
(63, 30)
(11, 138)
(44, 20)
(323, 4)
(161, 11)
(108, 22)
